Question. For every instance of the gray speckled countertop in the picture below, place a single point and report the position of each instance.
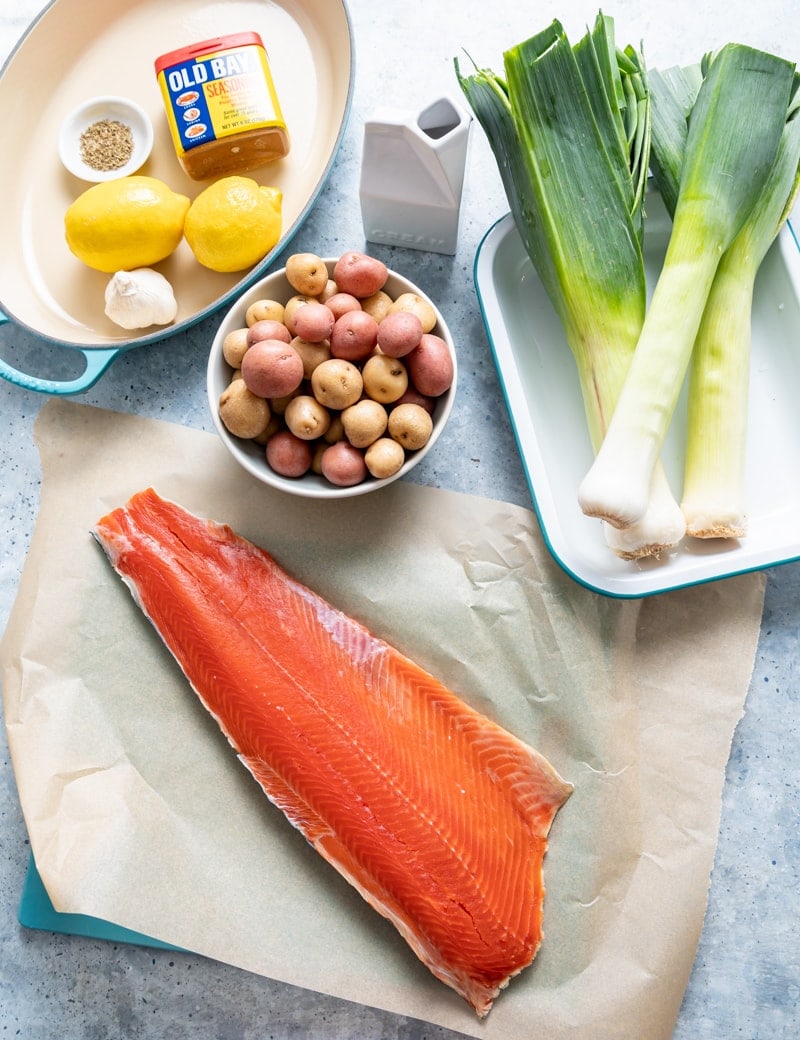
(746, 979)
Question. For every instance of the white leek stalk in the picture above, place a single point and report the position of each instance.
(570, 130)
(732, 141)
(714, 495)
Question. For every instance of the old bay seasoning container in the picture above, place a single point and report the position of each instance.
(222, 107)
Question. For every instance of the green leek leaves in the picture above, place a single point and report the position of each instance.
(570, 130)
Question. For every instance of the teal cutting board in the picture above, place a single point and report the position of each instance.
(37, 911)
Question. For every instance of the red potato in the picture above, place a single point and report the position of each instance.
(359, 274)
(354, 336)
(272, 368)
(267, 328)
(289, 456)
(292, 306)
(413, 396)
(430, 366)
(314, 322)
(399, 333)
(341, 302)
(343, 465)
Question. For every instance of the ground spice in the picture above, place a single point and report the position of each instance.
(106, 145)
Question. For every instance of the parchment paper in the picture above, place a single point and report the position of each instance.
(140, 814)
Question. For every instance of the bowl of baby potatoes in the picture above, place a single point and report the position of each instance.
(331, 377)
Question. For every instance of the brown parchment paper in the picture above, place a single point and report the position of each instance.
(140, 814)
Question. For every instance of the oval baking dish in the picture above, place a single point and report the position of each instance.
(76, 49)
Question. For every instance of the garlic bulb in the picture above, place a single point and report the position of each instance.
(136, 299)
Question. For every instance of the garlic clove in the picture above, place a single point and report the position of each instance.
(140, 298)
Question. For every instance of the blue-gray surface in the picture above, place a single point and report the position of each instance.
(746, 979)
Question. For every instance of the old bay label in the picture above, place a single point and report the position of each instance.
(218, 90)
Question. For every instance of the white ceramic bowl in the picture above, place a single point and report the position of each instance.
(92, 111)
(251, 456)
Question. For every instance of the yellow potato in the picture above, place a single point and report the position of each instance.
(307, 273)
(336, 383)
(364, 422)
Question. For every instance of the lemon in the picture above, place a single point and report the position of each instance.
(233, 223)
(126, 223)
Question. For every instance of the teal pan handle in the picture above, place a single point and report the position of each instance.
(97, 361)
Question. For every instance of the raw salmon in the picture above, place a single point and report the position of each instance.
(438, 816)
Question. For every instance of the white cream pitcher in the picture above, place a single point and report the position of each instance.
(412, 176)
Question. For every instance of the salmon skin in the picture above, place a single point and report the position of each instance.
(437, 816)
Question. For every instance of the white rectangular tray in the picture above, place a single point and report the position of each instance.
(540, 384)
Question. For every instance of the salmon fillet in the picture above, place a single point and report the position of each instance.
(438, 816)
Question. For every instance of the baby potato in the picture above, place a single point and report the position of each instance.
(233, 347)
(385, 378)
(306, 273)
(384, 457)
(272, 368)
(399, 333)
(280, 404)
(336, 383)
(341, 302)
(364, 422)
(335, 430)
(418, 305)
(243, 413)
(263, 310)
(359, 274)
(343, 465)
(306, 418)
(430, 366)
(354, 336)
(316, 458)
(291, 307)
(410, 425)
(377, 305)
(267, 328)
(288, 455)
(413, 396)
(314, 322)
(312, 354)
(275, 423)
(331, 289)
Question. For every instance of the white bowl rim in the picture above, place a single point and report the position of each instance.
(92, 109)
(312, 485)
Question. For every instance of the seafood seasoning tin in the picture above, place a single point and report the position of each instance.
(222, 107)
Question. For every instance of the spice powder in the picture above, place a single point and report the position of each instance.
(106, 145)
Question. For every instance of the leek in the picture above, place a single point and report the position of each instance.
(714, 501)
(570, 131)
(732, 141)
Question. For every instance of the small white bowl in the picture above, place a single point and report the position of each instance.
(93, 111)
(252, 456)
